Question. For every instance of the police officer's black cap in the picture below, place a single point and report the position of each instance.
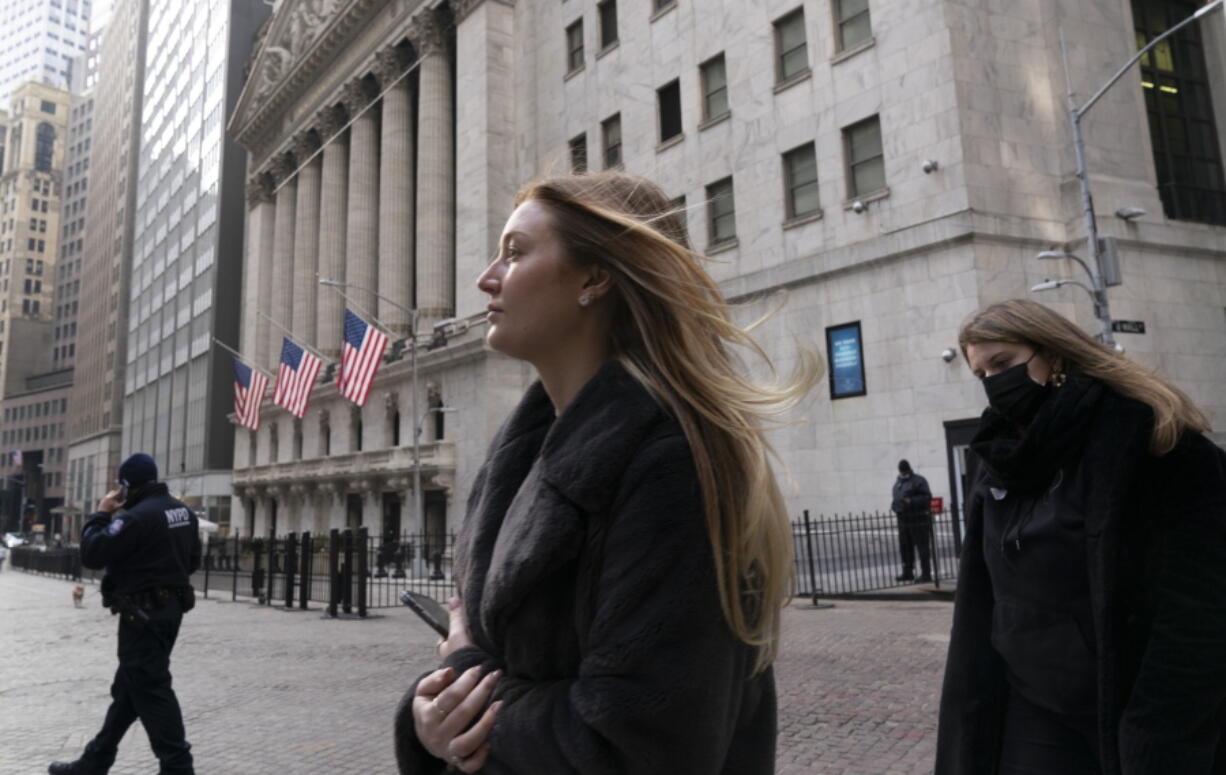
(138, 470)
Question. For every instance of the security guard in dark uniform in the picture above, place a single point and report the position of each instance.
(149, 544)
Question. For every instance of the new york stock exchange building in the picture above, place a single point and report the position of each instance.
(880, 171)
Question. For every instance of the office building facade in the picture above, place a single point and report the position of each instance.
(31, 194)
(39, 42)
(187, 245)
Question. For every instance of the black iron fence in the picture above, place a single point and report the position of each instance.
(64, 563)
(350, 571)
(346, 571)
(855, 553)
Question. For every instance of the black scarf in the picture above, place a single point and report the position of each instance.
(1027, 459)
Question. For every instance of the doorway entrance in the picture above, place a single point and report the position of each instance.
(962, 467)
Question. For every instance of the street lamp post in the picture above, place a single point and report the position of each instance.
(1099, 293)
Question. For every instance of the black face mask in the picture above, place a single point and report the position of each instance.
(1014, 394)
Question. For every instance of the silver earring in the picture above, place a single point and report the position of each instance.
(585, 299)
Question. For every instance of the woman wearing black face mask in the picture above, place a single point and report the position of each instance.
(1089, 627)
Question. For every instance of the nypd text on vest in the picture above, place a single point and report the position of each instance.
(178, 517)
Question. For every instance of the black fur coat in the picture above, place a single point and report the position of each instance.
(1156, 557)
(586, 574)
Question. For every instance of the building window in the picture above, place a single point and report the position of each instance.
(660, 6)
(47, 107)
(668, 98)
(608, 23)
(44, 147)
(853, 26)
(791, 52)
(1183, 132)
(721, 212)
(865, 162)
(611, 132)
(714, 88)
(574, 47)
(578, 154)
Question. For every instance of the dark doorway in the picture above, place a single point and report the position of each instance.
(963, 466)
(353, 511)
(391, 516)
(389, 551)
(272, 516)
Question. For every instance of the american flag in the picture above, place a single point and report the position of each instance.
(360, 355)
(295, 378)
(249, 386)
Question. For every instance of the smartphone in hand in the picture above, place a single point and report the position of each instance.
(429, 609)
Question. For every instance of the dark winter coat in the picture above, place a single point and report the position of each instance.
(912, 498)
(153, 541)
(1156, 558)
(587, 575)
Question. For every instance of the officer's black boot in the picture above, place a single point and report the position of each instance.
(73, 768)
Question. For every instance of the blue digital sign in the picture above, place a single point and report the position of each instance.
(845, 352)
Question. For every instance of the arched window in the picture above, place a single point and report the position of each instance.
(44, 148)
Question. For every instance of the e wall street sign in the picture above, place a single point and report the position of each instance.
(1128, 326)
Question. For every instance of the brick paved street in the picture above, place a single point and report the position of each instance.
(268, 691)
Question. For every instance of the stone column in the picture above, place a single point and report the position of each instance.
(296, 516)
(330, 492)
(485, 128)
(257, 285)
(334, 204)
(361, 244)
(435, 173)
(306, 244)
(396, 203)
(282, 255)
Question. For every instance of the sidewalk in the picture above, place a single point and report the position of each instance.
(267, 691)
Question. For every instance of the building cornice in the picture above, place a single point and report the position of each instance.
(463, 8)
(302, 38)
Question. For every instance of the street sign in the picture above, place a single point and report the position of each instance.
(1128, 326)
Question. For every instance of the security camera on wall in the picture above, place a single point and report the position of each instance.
(857, 207)
(949, 354)
(930, 166)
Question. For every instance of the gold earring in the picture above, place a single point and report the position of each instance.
(1058, 378)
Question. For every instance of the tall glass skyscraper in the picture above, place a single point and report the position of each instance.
(187, 251)
(39, 39)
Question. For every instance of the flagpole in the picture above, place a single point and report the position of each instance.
(334, 285)
(298, 340)
(247, 361)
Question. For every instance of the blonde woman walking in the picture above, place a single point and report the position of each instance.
(1089, 627)
(626, 552)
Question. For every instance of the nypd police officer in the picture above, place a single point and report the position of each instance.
(149, 544)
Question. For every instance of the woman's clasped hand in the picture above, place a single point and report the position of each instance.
(444, 709)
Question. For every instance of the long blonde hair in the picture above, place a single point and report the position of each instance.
(672, 330)
(1022, 321)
